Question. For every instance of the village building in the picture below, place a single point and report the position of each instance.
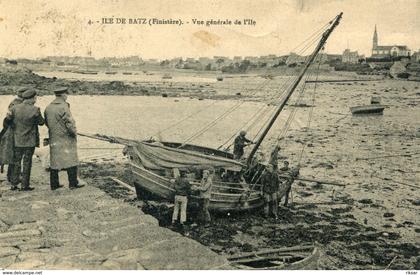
(175, 62)
(252, 59)
(388, 51)
(294, 58)
(205, 60)
(270, 60)
(350, 57)
(416, 56)
(237, 59)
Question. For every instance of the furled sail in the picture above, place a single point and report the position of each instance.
(157, 156)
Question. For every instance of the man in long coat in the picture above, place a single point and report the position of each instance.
(7, 146)
(62, 140)
(24, 118)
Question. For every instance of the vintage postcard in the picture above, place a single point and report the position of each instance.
(209, 135)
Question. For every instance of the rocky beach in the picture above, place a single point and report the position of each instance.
(371, 223)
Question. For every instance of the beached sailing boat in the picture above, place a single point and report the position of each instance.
(236, 184)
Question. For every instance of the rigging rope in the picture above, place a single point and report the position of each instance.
(261, 112)
(185, 118)
(310, 115)
(291, 116)
(233, 108)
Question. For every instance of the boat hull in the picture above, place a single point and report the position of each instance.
(279, 259)
(368, 109)
(221, 200)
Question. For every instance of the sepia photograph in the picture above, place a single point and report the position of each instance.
(209, 135)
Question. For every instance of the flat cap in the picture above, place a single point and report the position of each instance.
(29, 94)
(21, 90)
(60, 90)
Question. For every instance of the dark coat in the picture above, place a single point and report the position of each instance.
(182, 187)
(270, 182)
(239, 144)
(6, 146)
(25, 119)
(62, 134)
(15, 101)
(7, 142)
(274, 157)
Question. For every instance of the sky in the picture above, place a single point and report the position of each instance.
(40, 28)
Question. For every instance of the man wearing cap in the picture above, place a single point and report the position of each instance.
(274, 157)
(182, 190)
(24, 118)
(289, 175)
(62, 140)
(18, 99)
(6, 137)
(270, 187)
(205, 194)
(240, 142)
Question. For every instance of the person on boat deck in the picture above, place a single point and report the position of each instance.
(239, 144)
(270, 187)
(62, 140)
(6, 142)
(182, 191)
(24, 118)
(205, 195)
(274, 157)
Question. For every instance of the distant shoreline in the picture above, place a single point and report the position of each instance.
(11, 78)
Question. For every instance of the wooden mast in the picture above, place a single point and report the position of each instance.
(321, 44)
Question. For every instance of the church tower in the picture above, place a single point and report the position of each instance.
(375, 39)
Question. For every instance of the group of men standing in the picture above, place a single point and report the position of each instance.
(20, 136)
(183, 191)
(277, 183)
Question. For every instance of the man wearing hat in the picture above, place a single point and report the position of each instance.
(270, 187)
(6, 137)
(19, 98)
(24, 118)
(62, 140)
(274, 157)
(240, 142)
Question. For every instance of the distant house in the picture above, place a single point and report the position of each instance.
(152, 61)
(416, 56)
(270, 60)
(237, 59)
(350, 57)
(252, 59)
(294, 58)
(388, 51)
(205, 60)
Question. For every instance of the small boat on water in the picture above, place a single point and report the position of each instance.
(166, 76)
(373, 109)
(85, 72)
(287, 258)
